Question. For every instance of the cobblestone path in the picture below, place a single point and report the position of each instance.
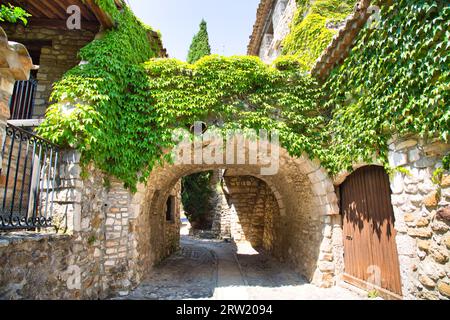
(208, 269)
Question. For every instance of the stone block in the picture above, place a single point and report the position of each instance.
(432, 199)
(326, 266)
(439, 254)
(397, 184)
(414, 155)
(445, 182)
(397, 159)
(446, 241)
(444, 289)
(427, 281)
(420, 232)
(425, 162)
(423, 245)
(427, 187)
(406, 144)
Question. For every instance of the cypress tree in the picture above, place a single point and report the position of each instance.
(200, 44)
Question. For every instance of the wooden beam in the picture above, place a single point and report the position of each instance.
(85, 13)
(61, 14)
(26, 6)
(104, 18)
(61, 24)
(43, 11)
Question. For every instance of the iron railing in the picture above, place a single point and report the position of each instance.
(28, 178)
(22, 100)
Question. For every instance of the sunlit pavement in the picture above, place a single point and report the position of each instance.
(210, 269)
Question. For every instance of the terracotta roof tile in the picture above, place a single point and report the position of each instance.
(339, 48)
(264, 9)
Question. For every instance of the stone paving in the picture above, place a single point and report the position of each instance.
(215, 270)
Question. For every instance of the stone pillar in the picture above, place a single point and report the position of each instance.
(221, 226)
(420, 192)
(15, 64)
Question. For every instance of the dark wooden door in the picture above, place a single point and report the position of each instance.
(369, 235)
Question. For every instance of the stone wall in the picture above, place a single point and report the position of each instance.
(172, 227)
(279, 22)
(421, 200)
(251, 204)
(58, 55)
(116, 237)
(221, 211)
(34, 266)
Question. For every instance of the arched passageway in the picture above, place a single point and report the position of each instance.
(299, 222)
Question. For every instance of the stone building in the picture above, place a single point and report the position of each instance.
(109, 238)
(419, 201)
(53, 44)
(271, 27)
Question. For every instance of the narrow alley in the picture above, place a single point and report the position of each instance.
(216, 270)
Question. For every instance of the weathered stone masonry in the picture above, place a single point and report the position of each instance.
(423, 237)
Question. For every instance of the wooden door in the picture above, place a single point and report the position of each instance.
(369, 235)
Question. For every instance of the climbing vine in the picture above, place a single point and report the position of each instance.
(121, 112)
(396, 81)
(120, 107)
(313, 27)
(239, 93)
(102, 107)
(12, 14)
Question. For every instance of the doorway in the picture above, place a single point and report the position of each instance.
(370, 250)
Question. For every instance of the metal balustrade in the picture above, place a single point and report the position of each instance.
(22, 100)
(28, 179)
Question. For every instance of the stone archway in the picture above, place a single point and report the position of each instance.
(308, 216)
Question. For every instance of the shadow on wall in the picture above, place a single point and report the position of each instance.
(363, 208)
(205, 269)
(253, 209)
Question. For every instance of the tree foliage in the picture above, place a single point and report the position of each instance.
(120, 109)
(196, 196)
(200, 44)
(12, 14)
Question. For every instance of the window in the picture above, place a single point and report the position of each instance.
(170, 209)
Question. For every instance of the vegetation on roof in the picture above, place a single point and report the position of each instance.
(120, 109)
(313, 27)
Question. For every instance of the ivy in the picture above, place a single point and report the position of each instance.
(311, 30)
(13, 14)
(120, 111)
(239, 93)
(101, 105)
(396, 81)
(120, 107)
